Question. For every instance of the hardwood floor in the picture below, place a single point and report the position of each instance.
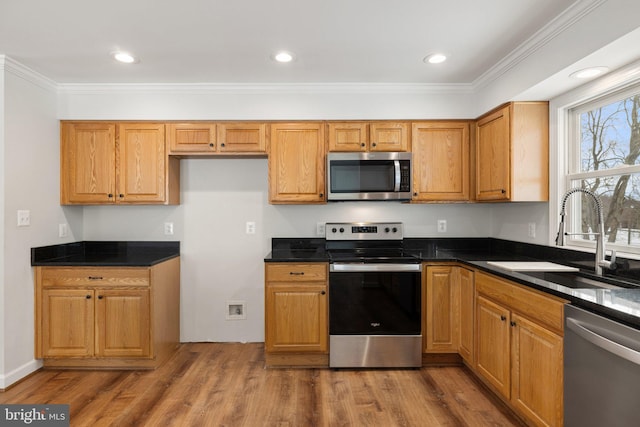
(226, 384)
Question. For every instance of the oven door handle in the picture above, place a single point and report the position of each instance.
(350, 267)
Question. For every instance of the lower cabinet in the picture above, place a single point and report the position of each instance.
(107, 317)
(296, 314)
(520, 348)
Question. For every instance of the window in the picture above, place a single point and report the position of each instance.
(604, 157)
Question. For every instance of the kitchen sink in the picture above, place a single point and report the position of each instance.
(580, 280)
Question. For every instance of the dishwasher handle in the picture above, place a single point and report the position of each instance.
(604, 343)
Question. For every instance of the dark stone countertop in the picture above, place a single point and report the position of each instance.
(622, 305)
(105, 254)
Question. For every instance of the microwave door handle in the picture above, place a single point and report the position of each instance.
(396, 167)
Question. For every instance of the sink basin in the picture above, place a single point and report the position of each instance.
(578, 280)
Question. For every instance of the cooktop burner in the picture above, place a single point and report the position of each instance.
(366, 242)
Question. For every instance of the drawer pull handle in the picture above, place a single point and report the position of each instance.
(95, 277)
(296, 273)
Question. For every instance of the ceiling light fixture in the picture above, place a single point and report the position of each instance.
(435, 58)
(589, 73)
(283, 56)
(124, 57)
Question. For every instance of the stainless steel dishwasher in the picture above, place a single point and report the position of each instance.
(601, 371)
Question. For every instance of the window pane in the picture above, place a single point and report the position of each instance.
(610, 135)
(620, 196)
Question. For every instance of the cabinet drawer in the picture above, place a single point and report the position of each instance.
(91, 276)
(295, 272)
(544, 309)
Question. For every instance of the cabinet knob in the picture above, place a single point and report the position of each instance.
(503, 191)
(323, 292)
(222, 145)
(321, 195)
(88, 297)
(415, 194)
(512, 323)
(100, 296)
(362, 144)
(211, 144)
(109, 195)
(503, 318)
(121, 195)
(373, 144)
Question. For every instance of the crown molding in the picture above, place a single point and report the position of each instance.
(541, 38)
(17, 69)
(266, 88)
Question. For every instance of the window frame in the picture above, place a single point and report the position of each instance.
(566, 153)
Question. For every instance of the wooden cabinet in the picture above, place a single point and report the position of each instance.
(519, 347)
(442, 309)
(117, 163)
(368, 136)
(467, 314)
(116, 317)
(512, 153)
(296, 314)
(440, 161)
(217, 138)
(297, 163)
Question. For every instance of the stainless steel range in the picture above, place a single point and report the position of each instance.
(374, 297)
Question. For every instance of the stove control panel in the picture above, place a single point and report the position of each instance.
(363, 231)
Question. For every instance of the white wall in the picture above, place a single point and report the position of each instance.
(30, 173)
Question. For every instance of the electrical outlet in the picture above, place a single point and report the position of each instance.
(251, 227)
(442, 226)
(320, 229)
(24, 218)
(63, 230)
(168, 228)
(532, 229)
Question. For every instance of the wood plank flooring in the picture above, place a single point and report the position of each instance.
(226, 384)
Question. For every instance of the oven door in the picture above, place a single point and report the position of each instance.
(375, 315)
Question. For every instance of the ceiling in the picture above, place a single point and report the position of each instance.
(232, 41)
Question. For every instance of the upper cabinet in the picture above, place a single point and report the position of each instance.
(512, 153)
(440, 161)
(297, 163)
(217, 138)
(117, 163)
(368, 136)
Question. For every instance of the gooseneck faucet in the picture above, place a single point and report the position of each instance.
(600, 249)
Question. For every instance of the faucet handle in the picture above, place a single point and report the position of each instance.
(613, 257)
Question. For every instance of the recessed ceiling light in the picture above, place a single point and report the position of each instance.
(435, 58)
(125, 57)
(283, 56)
(588, 73)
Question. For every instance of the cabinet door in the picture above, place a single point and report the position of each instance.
(123, 323)
(467, 314)
(352, 136)
(389, 136)
(242, 137)
(442, 310)
(493, 156)
(192, 138)
(493, 351)
(440, 161)
(537, 382)
(296, 317)
(142, 163)
(297, 163)
(88, 159)
(67, 323)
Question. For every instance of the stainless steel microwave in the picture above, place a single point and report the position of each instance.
(368, 176)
